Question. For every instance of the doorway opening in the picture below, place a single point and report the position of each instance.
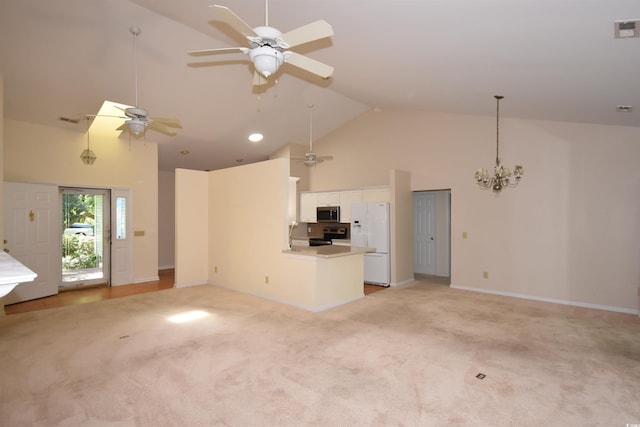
(432, 234)
(86, 220)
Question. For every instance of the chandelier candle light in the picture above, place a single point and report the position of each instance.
(502, 176)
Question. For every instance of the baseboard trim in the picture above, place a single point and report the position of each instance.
(403, 283)
(291, 303)
(188, 285)
(147, 279)
(551, 300)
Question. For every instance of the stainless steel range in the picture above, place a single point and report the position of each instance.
(328, 235)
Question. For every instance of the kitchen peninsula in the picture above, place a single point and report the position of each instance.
(329, 275)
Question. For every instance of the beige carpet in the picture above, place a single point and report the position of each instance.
(400, 357)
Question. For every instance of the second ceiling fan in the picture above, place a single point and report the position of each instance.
(310, 158)
(138, 120)
(268, 48)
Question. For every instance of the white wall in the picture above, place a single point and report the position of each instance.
(401, 227)
(191, 228)
(568, 233)
(42, 154)
(248, 210)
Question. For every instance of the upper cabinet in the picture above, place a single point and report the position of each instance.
(347, 198)
(308, 205)
(309, 201)
(328, 199)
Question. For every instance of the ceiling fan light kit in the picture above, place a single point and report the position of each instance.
(135, 126)
(501, 178)
(266, 59)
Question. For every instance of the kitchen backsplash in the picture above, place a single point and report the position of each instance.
(304, 230)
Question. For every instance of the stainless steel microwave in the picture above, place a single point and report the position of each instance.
(328, 214)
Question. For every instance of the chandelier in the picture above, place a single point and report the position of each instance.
(502, 177)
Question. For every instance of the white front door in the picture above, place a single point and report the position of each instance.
(32, 236)
(85, 240)
(424, 228)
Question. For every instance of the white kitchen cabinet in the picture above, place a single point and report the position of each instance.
(328, 199)
(347, 198)
(308, 205)
(375, 195)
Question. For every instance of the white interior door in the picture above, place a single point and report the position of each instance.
(32, 236)
(424, 226)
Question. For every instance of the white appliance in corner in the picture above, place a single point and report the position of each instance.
(370, 229)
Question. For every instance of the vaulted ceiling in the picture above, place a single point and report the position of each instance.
(552, 60)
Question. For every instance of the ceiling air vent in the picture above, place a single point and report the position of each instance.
(624, 108)
(627, 29)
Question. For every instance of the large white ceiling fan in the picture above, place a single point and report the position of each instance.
(310, 158)
(138, 119)
(268, 48)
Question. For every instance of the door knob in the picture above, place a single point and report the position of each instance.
(6, 250)
(432, 238)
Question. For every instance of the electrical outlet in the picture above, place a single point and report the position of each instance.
(215, 269)
(266, 279)
(464, 234)
(485, 274)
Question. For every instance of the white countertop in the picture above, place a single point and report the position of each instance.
(12, 271)
(327, 251)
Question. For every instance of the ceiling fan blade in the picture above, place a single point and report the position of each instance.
(161, 128)
(259, 79)
(168, 121)
(308, 64)
(307, 33)
(234, 21)
(223, 50)
(323, 158)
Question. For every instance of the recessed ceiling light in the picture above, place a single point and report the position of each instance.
(256, 137)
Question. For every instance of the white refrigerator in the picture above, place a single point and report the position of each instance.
(370, 229)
